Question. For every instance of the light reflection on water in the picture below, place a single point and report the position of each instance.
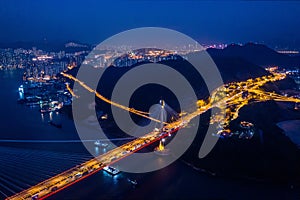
(97, 150)
(42, 117)
(50, 115)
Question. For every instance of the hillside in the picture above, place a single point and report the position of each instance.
(257, 54)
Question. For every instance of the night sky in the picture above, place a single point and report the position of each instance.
(93, 21)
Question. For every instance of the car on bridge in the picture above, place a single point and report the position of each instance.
(78, 175)
(35, 197)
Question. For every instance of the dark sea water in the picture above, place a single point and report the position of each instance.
(23, 164)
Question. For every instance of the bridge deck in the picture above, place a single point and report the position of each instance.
(230, 94)
(73, 175)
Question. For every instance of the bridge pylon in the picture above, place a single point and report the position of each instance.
(160, 149)
(162, 113)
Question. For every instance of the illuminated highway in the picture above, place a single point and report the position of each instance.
(71, 91)
(232, 97)
(132, 110)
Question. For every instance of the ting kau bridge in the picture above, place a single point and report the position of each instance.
(232, 97)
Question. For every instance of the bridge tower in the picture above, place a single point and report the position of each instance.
(161, 150)
(162, 113)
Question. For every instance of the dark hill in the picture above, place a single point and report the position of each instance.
(258, 54)
(237, 69)
(231, 69)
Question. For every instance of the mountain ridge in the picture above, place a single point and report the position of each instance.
(258, 54)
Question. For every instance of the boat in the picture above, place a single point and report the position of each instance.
(111, 170)
(161, 150)
(51, 107)
(133, 182)
(99, 143)
(46, 110)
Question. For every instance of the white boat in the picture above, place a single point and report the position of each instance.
(133, 182)
(111, 170)
(99, 143)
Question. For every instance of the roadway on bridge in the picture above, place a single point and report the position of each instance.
(232, 97)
